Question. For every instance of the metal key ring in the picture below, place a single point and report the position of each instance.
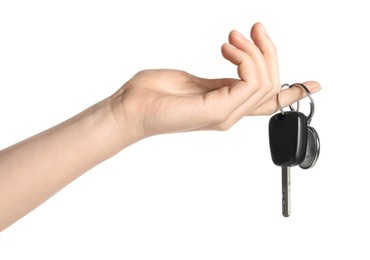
(290, 106)
(308, 93)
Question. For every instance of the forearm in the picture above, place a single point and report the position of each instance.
(35, 169)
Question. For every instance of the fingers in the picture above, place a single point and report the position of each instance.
(256, 93)
(255, 80)
(268, 50)
(287, 97)
(240, 42)
(264, 57)
(246, 66)
(241, 91)
(259, 58)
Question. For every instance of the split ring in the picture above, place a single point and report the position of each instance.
(308, 93)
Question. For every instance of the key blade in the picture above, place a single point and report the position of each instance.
(286, 191)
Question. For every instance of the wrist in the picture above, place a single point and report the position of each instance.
(123, 130)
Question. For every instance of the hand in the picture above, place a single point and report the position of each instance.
(164, 101)
(152, 102)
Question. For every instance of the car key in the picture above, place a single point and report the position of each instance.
(288, 142)
(293, 142)
(285, 180)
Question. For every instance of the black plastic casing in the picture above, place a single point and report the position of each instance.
(288, 138)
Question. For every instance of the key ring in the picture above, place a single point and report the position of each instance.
(308, 93)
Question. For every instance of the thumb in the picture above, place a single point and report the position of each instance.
(295, 93)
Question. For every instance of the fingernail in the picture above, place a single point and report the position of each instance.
(263, 29)
(239, 34)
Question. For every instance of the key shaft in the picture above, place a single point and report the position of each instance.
(286, 190)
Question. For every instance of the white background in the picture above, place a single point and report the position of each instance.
(203, 195)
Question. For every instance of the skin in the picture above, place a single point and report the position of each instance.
(152, 102)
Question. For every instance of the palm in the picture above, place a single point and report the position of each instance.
(166, 100)
(163, 101)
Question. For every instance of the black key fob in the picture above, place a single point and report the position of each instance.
(288, 138)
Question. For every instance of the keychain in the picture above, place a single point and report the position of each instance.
(293, 142)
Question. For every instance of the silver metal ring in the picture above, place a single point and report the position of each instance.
(308, 93)
(279, 105)
(290, 106)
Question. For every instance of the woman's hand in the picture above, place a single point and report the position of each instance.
(152, 102)
(164, 101)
